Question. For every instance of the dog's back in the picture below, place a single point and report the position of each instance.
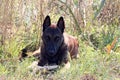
(72, 44)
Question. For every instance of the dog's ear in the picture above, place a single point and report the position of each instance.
(61, 24)
(46, 23)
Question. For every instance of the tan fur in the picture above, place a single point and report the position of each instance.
(72, 44)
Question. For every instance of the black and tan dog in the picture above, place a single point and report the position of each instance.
(57, 45)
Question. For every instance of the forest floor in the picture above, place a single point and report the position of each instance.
(91, 65)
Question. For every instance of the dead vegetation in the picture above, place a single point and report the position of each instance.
(95, 23)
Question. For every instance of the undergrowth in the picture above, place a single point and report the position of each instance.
(91, 64)
(95, 23)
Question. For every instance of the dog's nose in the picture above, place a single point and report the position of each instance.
(51, 52)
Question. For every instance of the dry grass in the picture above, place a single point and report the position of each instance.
(20, 26)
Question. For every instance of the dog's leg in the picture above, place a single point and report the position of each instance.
(76, 52)
(67, 65)
(37, 54)
(66, 60)
(42, 62)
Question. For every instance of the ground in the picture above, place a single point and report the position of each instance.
(91, 65)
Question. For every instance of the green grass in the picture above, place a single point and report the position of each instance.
(91, 62)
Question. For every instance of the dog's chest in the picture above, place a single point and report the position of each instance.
(54, 60)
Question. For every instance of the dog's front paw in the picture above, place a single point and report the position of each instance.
(67, 65)
(41, 63)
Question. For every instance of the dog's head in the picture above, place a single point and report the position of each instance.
(53, 35)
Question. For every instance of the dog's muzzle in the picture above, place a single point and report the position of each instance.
(51, 52)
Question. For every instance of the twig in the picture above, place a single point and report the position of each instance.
(76, 23)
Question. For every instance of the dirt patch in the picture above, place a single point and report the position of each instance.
(88, 77)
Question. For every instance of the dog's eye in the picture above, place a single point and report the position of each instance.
(57, 38)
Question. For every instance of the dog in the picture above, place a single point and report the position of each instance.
(57, 45)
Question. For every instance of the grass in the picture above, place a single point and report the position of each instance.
(91, 64)
(26, 18)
